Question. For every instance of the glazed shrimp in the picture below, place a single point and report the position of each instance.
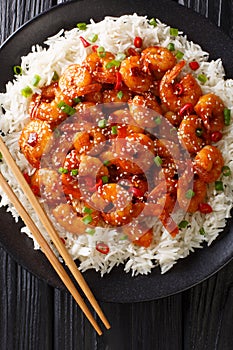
(210, 108)
(84, 141)
(135, 152)
(45, 182)
(208, 163)
(114, 202)
(158, 60)
(72, 221)
(69, 176)
(77, 81)
(189, 90)
(192, 134)
(133, 75)
(44, 106)
(98, 67)
(190, 195)
(142, 109)
(34, 139)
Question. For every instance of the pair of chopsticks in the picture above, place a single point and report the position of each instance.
(54, 237)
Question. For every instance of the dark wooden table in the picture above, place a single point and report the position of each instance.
(35, 316)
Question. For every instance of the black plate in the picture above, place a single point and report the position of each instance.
(118, 286)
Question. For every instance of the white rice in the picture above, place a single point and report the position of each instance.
(117, 35)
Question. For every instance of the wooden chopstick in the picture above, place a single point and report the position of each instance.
(48, 251)
(51, 231)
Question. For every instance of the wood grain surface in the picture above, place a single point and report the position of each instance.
(35, 316)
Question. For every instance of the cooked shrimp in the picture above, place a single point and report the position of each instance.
(116, 96)
(69, 176)
(190, 193)
(208, 163)
(84, 141)
(189, 93)
(133, 76)
(158, 60)
(44, 106)
(114, 202)
(99, 69)
(47, 184)
(210, 108)
(192, 133)
(142, 109)
(77, 81)
(174, 118)
(92, 166)
(135, 152)
(34, 139)
(72, 221)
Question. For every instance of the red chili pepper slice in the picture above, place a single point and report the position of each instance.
(122, 131)
(94, 48)
(216, 136)
(96, 186)
(187, 109)
(205, 208)
(132, 52)
(32, 139)
(102, 247)
(27, 178)
(118, 84)
(138, 42)
(63, 241)
(136, 192)
(178, 89)
(84, 42)
(35, 190)
(194, 65)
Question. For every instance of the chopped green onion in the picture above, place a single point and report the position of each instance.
(87, 219)
(227, 116)
(64, 107)
(102, 123)
(202, 78)
(55, 76)
(74, 172)
(219, 186)
(62, 170)
(106, 162)
(158, 161)
(36, 80)
(202, 231)
(174, 31)
(101, 51)
(113, 63)
(226, 171)
(199, 132)
(105, 179)
(171, 47)
(123, 238)
(158, 121)
(18, 70)
(27, 91)
(120, 56)
(153, 22)
(120, 95)
(179, 55)
(114, 130)
(0, 156)
(183, 224)
(189, 194)
(77, 100)
(90, 231)
(87, 210)
(82, 26)
(93, 38)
